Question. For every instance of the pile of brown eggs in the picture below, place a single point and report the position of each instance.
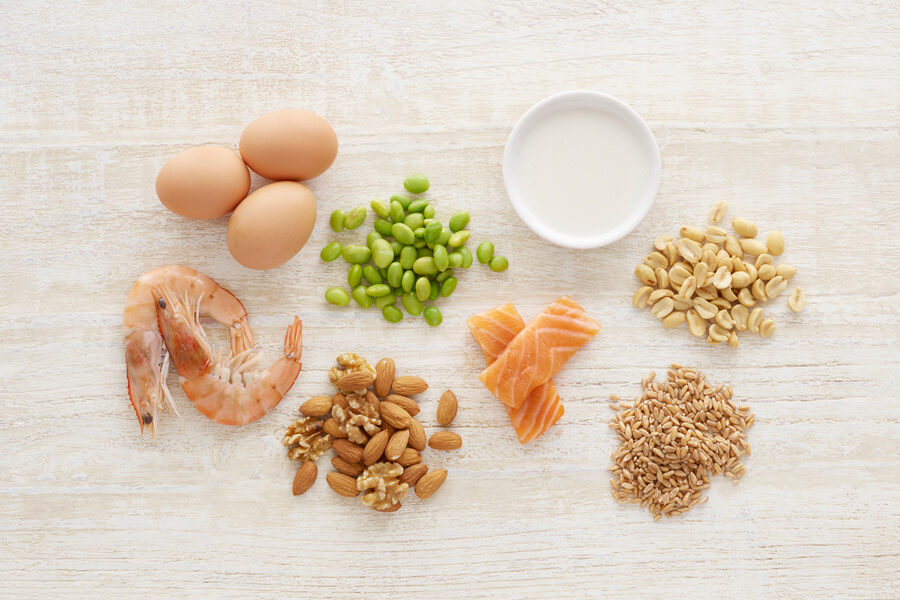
(268, 227)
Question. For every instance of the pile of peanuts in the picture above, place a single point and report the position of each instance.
(705, 279)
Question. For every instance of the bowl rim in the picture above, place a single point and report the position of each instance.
(588, 99)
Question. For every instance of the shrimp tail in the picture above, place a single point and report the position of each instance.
(293, 340)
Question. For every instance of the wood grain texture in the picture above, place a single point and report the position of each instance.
(788, 110)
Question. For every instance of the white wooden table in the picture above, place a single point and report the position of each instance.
(789, 112)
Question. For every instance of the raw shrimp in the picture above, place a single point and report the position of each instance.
(228, 390)
(144, 344)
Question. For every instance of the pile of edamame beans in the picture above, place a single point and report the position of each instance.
(409, 255)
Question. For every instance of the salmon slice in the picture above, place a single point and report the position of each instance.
(539, 351)
(493, 330)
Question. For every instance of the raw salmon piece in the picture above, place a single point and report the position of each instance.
(493, 330)
(539, 351)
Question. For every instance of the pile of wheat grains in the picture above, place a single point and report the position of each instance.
(673, 438)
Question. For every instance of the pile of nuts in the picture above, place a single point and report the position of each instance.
(703, 279)
(374, 434)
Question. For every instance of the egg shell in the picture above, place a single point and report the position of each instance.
(206, 182)
(271, 225)
(289, 144)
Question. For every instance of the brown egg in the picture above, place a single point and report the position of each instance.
(206, 182)
(289, 144)
(271, 225)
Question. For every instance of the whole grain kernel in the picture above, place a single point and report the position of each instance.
(717, 213)
(673, 320)
(797, 300)
(693, 233)
(744, 227)
(767, 328)
(775, 243)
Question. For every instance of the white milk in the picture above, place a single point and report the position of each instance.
(581, 171)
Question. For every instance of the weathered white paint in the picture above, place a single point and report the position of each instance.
(788, 110)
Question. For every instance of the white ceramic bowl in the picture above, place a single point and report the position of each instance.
(650, 164)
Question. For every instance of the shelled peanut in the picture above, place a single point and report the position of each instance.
(707, 279)
(370, 424)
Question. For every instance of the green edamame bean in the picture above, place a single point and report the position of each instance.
(378, 290)
(396, 247)
(331, 251)
(433, 316)
(459, 238)
(441, 277)
(441, 258)
(416, 184)
(412, 304)
(361, 297)
(424, 252)
(419, 244)
(383, 226)
(448, 287)
(425, 266)
(397, 212)
(386, 300)
(485, 252)
(383, 272)
(407, 257)
(373, 235)
(418, 205)
(459, 221)
(423, 288)
(435, 290)
(356, 217)
(337, 296)
(414, 220)
(433, 232)
(444, 237)
(382, 253)
(408, 281)
(395, 274)
(420, 232)
(467, 257)
(356, 255)
(428, 213)
(372, 275)
(403, 200)
(403, 234)
(499, 264)
(354, 276)
(337, 220)
(392, 314)
(380, 208)
(455, 259)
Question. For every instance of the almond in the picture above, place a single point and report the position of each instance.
(340, 400)
(347, 468)
(395, 415)
(390, 509)
(412, 474)
(396, 445)
(389, 428)
(417, 437)
(447, 407)
(332, 428)
(316, 407)
(356, 381)
(372, 400)
(305, 477)
(442, 440)
(384, 376)
(344, 485)
(375, 448)
(430, 483)
(347, 450)
(407, 404)
(409, 385)
(409, 457)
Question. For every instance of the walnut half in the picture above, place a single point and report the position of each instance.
(359, 420)
(381, 485)
(305, 439)
(350, 362)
